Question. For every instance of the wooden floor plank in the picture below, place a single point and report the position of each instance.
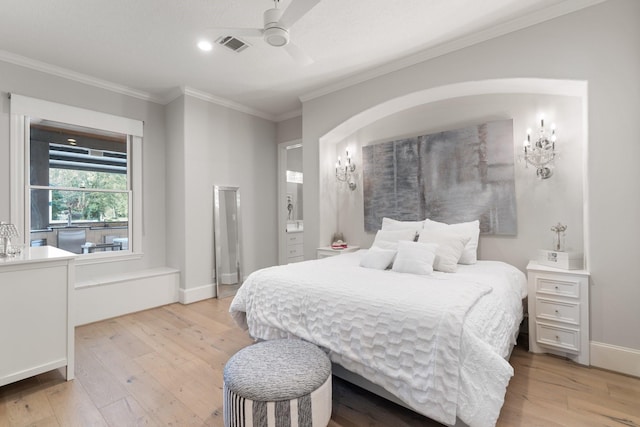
(100, 384)
(73, 406)
(126, 412)
(164, 367)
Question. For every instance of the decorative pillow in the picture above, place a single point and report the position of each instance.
(378, 258)
(393, 224)
(415, 257)
(450, 248)
(388, 239)
(470, 229)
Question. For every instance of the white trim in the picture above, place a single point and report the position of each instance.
(16, 176)
(226, 103)
(33, 107)
(531, 19)
(188, 296)
(32, 64)
(615, 358)
(109, 256)
(54, 70)
(577, 88)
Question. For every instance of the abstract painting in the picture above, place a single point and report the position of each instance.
(453, 176)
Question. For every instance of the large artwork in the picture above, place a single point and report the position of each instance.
(454, 176)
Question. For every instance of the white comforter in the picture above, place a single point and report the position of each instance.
(437, 342)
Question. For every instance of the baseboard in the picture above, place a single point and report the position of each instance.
(187, 296)
(614, 358)
(112, 296)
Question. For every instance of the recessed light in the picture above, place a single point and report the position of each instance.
(205, 45)
(71, 141)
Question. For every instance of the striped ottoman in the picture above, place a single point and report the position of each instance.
(279, 383)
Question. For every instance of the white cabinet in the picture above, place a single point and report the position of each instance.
(559, 312)
(295, 246)
(327, 251)
(36, 324)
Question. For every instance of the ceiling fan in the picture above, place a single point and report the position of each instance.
(276, 28)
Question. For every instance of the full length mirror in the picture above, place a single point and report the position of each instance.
(227, 237)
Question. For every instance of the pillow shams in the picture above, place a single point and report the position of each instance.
(450, 248)
(470, 229)
(388, 239)
(377, 258)
(415, 257)
(394, 224)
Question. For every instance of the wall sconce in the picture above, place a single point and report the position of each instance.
(7, 231)
(541, 152)
(345, 173)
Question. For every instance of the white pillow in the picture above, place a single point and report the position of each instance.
(450, 248)
(470, 229)
(388, 239)
(377, 258)
(393, 224)
(415, 257)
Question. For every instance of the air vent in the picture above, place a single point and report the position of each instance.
(232, 43)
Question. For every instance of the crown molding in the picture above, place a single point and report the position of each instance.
(204, 96)
(23, 61)
(555, 11)
(289, 115)
(124, 90)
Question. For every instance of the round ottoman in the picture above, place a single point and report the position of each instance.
(276, 384)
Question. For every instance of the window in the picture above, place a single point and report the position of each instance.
(81, 189)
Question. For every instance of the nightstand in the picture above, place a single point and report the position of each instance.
(327, 251)
(559, 312)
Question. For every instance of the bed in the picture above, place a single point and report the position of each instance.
(439, 342)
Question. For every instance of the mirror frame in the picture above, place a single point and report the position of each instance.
(217, 232)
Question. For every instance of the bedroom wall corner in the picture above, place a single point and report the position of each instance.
(229, 148)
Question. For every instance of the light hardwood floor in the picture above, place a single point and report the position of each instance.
(164, 367)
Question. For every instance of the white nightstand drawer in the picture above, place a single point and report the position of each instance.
(294, 238)
(556, 286)
(567, 312)
(295, 251)
(555, 336)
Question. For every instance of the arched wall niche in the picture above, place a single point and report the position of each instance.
(334, 141)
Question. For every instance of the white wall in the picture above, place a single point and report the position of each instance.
(540, 203)
(176, 206)
(600, 45)
(40, 85)
(229, 148)
(289, 130)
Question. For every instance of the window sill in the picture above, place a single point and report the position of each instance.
(114, 256)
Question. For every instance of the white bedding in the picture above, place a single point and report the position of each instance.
(437, 342)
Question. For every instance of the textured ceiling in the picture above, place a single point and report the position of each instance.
(150, 45)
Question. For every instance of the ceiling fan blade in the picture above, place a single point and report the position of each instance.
(240, 32)
(298, 54)
(296, 10)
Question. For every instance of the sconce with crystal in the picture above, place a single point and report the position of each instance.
(7, 231)
(541, 152)
(346, 172)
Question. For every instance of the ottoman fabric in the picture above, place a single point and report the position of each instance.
(279, 383)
